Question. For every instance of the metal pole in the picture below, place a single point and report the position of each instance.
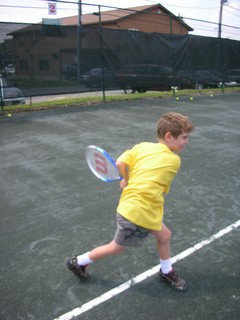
(79, 42)
(101, 53)
(1, 93)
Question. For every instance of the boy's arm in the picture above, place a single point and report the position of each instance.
(123, 171)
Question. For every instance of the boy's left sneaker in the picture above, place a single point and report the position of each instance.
(72, 265)
(174, 280)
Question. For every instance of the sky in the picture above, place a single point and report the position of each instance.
(26, 11)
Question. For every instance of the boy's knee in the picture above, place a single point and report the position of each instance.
(115, 248)
(168, 234)
(165, 236)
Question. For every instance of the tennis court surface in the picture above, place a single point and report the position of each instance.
(52, 207)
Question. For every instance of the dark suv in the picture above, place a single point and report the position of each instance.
(143, 77)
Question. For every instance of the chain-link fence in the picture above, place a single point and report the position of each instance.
(50, 58)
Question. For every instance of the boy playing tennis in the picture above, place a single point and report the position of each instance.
(147, 170)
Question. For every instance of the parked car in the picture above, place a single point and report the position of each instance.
(234, 75)
(200, 78)
(70, 71)
(10, 94)
(144, 77)
(97, 77)
(232, 79)
(9, 69)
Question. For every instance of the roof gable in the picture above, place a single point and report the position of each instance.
(111, 16)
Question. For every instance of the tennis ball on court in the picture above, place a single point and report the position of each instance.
(177, 98)
(9, 115)
(191, 98)
(211, 95)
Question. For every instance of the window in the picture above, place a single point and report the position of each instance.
(22, 40)
(43, 65)
(24, 65)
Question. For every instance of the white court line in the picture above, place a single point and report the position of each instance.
(126, 285)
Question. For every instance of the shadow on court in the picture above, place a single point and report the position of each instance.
(52, 207)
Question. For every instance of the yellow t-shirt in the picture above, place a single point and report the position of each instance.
(152, 167)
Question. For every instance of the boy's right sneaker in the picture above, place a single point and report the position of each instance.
(80, 271)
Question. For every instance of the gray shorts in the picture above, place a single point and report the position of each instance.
(129, 234)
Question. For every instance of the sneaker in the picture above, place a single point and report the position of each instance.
(80, 271)
(174, 280)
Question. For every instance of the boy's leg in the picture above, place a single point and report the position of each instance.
(163, 238)
(78, 264)
(167, 273)
(106, 250)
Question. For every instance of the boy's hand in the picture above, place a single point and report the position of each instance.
(123, 184)
(123, 171)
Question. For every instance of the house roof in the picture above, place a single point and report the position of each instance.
(111, 16)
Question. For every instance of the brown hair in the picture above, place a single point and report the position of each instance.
(175, 123)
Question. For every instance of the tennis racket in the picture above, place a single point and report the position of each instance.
(101, 164)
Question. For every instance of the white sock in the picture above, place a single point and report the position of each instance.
(166, 265)
(84, 259)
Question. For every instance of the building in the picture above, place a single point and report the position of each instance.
(42, 50)
(152, 18)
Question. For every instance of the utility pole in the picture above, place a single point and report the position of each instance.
(222, 2)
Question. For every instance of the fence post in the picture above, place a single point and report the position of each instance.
(1, 93)
(101, 50)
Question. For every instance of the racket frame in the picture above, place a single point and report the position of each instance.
(107, 157)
